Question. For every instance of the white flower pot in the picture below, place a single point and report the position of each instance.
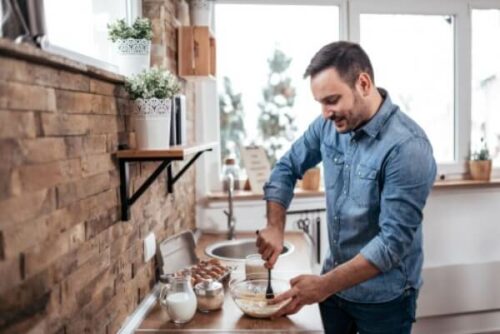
(151, 122)
(201, 11)
(133, 55)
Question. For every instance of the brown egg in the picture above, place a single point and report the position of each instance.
(214, 261)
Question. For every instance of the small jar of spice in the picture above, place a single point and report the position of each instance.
(210, 295)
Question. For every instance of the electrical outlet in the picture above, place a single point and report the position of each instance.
(149, 247)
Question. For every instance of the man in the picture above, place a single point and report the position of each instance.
(378, 170)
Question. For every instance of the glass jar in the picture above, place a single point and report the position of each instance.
(254, 267)
(210, 295)
(178, 297)
(230, 167)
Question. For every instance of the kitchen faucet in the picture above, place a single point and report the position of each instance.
(231, 221)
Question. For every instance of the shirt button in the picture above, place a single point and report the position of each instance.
(345, 192)
(336, 217)
(346, 166)
(335, 263)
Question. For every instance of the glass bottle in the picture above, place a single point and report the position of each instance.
(230, 167)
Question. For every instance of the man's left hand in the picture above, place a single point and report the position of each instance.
(306, 289)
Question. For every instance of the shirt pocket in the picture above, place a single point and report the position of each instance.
(333, 162)
(364, 187)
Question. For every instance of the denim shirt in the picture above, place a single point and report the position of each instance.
(377, 179)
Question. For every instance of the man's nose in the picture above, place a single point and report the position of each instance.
(327, 112)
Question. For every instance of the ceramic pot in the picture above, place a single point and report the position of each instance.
(133, 55)
(311, 179)
(480, 169)
(201, 12)
(151, 122)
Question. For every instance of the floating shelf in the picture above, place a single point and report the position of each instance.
(174, 153)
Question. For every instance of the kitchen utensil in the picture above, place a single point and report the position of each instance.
(250, 296)
(269, 290)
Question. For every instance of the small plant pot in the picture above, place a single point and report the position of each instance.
(133, 55)
(151, 122)
(311, 179)
(201, 12)
(480, 169)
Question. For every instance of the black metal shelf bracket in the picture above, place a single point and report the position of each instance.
(166, 163)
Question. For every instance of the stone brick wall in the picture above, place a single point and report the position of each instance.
(67, 262)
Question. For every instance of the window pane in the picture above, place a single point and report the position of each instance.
(486, 81)
(80, 25)
(413, 58)
(275, 93)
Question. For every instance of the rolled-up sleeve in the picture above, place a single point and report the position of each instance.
(304, 154)
(408, 176)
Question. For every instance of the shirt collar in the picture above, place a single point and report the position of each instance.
(372, 128)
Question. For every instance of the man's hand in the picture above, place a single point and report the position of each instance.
(308, 289)
(270, 239)
(270, 244)
(305, 290)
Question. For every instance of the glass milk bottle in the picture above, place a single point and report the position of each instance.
(178, 297)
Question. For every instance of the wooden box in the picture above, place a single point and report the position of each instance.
(196, 51)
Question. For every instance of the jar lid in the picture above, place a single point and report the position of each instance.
(208, 288)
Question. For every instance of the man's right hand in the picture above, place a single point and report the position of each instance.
(270, 238)
(270, 244)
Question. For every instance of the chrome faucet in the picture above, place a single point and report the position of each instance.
(231, 221)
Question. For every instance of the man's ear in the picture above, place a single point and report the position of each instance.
(364, 84)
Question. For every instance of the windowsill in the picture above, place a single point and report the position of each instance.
(243, 195)
(246, 195)
(33, 54)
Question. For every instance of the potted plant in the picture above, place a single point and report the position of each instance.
(152, 91)
(480, 163)
(133, 44)
(202, 11)
(311, 179)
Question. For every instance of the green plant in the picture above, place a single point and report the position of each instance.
(483, 153)
(153, 82)
(140, 29)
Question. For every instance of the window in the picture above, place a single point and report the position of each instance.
(486, 81)
(78, 28)
(271, 99)
(415, 63)
(438, 60)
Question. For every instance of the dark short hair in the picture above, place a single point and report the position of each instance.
(348, 58)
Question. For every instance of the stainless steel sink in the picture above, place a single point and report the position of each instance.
(238, 250)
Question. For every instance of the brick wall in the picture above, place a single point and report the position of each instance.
(67, 262)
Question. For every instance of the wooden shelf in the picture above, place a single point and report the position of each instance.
(174, 152)
(242, 195)
(166, 157)
(245, 195)
(466, 183)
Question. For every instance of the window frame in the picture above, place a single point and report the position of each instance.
(349, 21)
(133, 9)
(462, 61)
(484, 5)
(206, 93)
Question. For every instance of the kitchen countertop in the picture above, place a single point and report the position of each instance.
(230, 319)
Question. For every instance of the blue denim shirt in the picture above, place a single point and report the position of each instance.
(377, 180)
